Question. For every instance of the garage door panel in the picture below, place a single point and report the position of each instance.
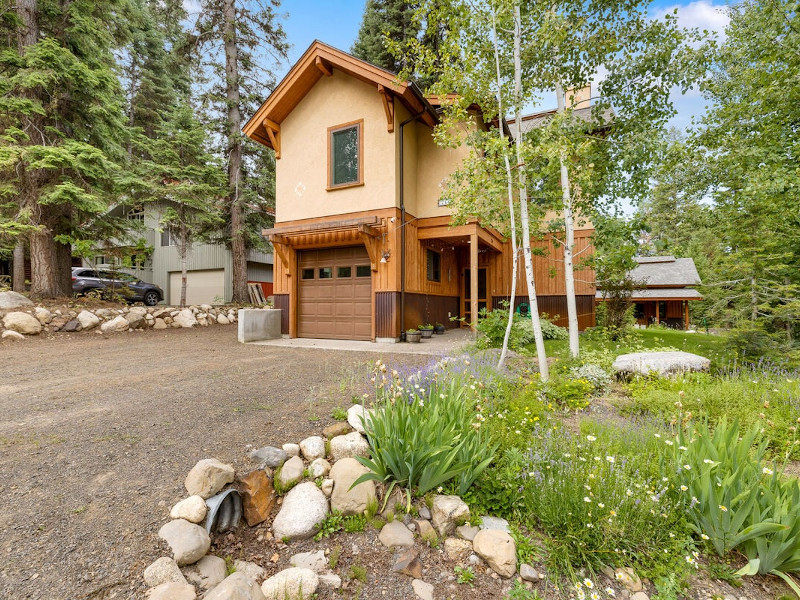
(202, 287)
(335, 307)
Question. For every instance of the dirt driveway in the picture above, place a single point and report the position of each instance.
(97, 434)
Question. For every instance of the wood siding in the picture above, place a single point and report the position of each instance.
(554, 306)
(282, 303)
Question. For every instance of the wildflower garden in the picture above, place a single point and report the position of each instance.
(677, 479)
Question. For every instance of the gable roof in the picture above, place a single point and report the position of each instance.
(321, 60)
(538, 119)
(665, 271)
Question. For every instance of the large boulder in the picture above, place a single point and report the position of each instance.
(351, 501)
(498, 549)
(303, 509)
(135, 317)
(208, 477)
(294, 583)
(185, 318)
(119, 323)
(348, 446)
(189, 542)
(163, 570)
(449, 512)
(236, 586)
(88, 320)
(9, 300)
(662, 363)
(22, 323)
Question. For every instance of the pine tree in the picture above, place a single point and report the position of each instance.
(186, 180)
(63, 127)
(385, 18)
(232, 39)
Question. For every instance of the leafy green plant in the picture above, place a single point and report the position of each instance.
(492, 325)
(422, 438)
(354, 523)
(570, 393)
(464, 575)
(333, 559)
(339, 413)
(595, 375)
(518, 591)
(331, 524)
(358, 572)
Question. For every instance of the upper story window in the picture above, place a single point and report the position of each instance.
(135, 213)
(346, 155)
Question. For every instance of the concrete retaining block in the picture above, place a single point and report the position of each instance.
(259, 324)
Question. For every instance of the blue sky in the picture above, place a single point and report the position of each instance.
(336, 22)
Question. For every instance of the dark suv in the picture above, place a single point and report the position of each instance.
(108, 283)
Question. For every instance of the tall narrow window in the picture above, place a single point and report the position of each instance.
(434, 266)
(345, 155)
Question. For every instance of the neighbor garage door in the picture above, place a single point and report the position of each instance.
(335, 295)
(202, 287)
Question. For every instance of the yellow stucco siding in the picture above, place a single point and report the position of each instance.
(302, 172)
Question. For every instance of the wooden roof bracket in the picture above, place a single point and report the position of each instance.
(281, 245)
(274, 133)
(323, 66)
(388, 107)
(371, 238)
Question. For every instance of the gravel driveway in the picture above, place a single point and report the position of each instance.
(97, 434)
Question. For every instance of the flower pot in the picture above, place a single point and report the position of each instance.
(438, 330)
(413, 337)
(426, 333)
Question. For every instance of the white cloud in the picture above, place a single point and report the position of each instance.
(701, 14)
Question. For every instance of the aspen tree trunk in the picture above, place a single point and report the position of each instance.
(238, 249)
(753, 300)
(510, 184)
(569, 242)
(184, 253)
(544, 371)
(18, 268)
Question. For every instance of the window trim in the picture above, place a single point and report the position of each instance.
(359, 124)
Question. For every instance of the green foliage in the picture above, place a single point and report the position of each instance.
(492, 325)
(751, 342)
(354, 523)
(464, 574)
(573, 394)
(527, 550)
(421, 437)
(496, 491)
(333, 559)
(331, 524)
(518, 591)
(598, 377)
(339, 413)
(600, 498)
(358, 572)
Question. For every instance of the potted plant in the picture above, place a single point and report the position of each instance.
(413, 335)
(438, 329)
(426, 330)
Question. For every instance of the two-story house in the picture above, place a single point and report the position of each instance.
(363, 242)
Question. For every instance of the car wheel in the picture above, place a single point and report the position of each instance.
(151, 298)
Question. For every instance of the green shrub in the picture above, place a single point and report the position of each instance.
(496, 490)
(423, 435)
(595, 375)
(493, 327)
(570, 393)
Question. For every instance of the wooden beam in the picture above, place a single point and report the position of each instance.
(368, 230)
(323, 66)
(270, 124)
(275, 139)
(371, 244)
(473, 283)
(321, 226)
(282, 249)
(388, 107)
(445, 231)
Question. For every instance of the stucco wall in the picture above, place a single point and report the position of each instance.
(302, 170)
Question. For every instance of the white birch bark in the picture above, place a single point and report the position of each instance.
(544, 371)
(569, 241)
(510, 187)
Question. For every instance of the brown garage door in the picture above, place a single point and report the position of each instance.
(335, 295)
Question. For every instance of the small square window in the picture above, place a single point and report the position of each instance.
(344, 272)
(363, 271)
(307, 274)
(434, 266)
(345, 155)
(326, 272)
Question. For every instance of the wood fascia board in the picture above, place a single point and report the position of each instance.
(444, 231)
(368, 230)
(388, 107)
(323, 226)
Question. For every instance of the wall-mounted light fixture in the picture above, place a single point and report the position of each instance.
(386, 255)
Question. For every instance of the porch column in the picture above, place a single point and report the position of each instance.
(658, 312)
(686, 315)
(473, 280)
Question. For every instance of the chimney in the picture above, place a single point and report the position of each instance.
(579, 98)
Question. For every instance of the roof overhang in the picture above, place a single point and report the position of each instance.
(320, 60)
(659, 295)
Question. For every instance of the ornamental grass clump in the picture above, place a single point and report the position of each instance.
(600, 498)
(425, 432)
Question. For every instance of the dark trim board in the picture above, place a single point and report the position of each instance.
(282, 302)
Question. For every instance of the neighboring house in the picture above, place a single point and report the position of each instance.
(362, 237)
(667, 286)
(210, 266)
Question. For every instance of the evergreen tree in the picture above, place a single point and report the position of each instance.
(232, 40)
(186, 180)
(386, 18)
(63, 131)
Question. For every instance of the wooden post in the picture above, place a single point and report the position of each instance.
(686, 315)
(473, 281)
(658, 312)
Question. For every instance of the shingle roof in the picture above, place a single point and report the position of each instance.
(665, 271)
(662, 294)
(533, 121)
